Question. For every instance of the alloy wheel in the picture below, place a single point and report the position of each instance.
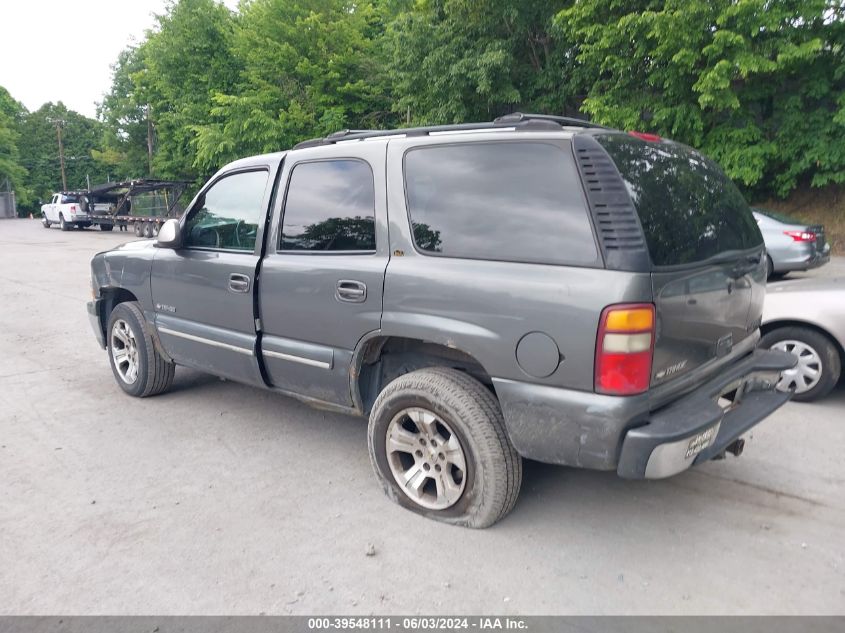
(124, 351)
(426, 458)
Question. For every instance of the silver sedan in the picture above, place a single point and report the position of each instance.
(791, 244)
(807, 318)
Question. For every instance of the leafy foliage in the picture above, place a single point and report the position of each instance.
(185, 62)
(38, 146)
(10, 164)
(759, 85)
(124, 112)
(465, 60)
(308, 68)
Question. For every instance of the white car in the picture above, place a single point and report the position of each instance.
(67, 209)
(806, 317)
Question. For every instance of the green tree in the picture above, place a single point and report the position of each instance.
(309, 67)
(759, 85)
(39, 150)
(11, 168)
(185, 61)
(124, 113)
(463, 60)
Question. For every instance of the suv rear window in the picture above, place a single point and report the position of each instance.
(689, 209)
(506, 201)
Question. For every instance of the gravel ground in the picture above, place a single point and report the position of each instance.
(219, 498)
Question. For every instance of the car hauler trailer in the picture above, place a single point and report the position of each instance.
(143, 204)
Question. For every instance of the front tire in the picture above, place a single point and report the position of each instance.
(106, 227)
(438, 446)
(46, 223)
(137, 365)
(819, 365)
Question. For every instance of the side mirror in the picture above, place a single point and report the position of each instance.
(170, 235)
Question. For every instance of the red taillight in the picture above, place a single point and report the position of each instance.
(73, 208)
(801, 236)
(645, 136)
(624, 349)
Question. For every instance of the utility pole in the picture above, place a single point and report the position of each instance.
(149, 142)
(61, 153)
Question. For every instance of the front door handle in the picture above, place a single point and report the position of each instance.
(351, 291)
(238, 283)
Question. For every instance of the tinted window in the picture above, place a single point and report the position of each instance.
(330, 206)
(230, 214)
(689, 209)
(502, 201)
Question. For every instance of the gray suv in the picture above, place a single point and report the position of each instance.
(533, 287)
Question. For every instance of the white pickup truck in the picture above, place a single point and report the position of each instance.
(67, 209)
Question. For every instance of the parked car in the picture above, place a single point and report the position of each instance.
(791, 244)
(806, 317)
(533, 287)
(67, 209)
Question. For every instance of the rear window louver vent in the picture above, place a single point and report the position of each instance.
(616, 220)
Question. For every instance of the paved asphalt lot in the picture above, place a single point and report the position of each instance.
(219, 498)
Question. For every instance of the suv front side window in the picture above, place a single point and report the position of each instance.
(229, 216)
(330, 206)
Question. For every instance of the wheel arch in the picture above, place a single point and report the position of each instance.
(379, 359)
(111, 297)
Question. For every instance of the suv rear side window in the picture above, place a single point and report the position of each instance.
(330, 206)
(689, 209)
(507, 201)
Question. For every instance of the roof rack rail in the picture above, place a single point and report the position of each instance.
(516, 120)
(519, 117)
(340, 134)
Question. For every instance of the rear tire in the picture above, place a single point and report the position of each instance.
(452, 414)
(64, 225)
(819, 364)
(770, 267)
(138, 367)
(148, 229)
(139, 230)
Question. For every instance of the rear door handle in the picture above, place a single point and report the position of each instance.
(351, 291)
(238, 283)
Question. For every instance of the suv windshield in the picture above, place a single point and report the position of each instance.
(689, 209)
